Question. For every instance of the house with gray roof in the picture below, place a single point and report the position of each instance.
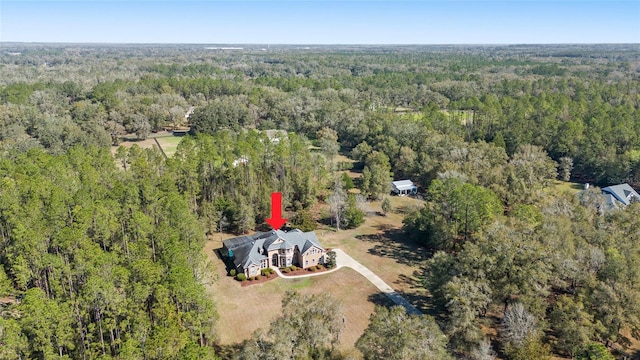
(275, 248)
(619, 195)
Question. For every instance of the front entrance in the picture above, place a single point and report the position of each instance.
(274, 260)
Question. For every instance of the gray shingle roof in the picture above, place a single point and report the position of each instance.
(253, 249)
(231, 244)
(622, 192)
(610, 201)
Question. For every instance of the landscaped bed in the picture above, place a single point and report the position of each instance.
(268, 274)
(294, 270)
(258, 279)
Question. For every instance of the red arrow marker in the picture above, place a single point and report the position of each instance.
(276, 221)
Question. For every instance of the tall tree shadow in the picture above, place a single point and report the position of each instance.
(380, 299)
(419, 301)
(227, 351)
(417, 295)
(394, 244)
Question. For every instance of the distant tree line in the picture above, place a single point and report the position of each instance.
(578, 104)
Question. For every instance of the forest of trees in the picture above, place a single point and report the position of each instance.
(103, 254)
(105, 262)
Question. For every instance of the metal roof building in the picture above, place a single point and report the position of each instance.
(403, 187)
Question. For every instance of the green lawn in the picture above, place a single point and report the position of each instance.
(169, 144)
(565, 186)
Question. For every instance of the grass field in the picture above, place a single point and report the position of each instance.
(169, 144)
(570, 187)
(377, 244)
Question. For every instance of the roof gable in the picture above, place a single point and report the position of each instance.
(253, 249)
(622, 192)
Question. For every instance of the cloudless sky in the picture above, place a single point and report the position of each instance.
(321, 22)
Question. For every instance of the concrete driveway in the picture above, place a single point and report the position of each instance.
(344, 260)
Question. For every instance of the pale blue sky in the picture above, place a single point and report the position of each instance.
(322, 22)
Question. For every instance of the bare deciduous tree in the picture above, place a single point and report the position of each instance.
(337, 201)
(519, 324)
(484, 351)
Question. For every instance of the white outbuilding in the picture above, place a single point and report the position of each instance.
(404, 187)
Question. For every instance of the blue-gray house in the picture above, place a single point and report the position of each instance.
(617, 195)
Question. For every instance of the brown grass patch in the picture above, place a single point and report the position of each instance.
(168, 142)
(379, 244)
(144, 144)
(633, 350)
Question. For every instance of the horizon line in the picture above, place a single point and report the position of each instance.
(306, 44)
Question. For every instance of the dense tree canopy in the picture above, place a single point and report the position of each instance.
(105, 257)
(393, 334)
(559, 269)
(108, 262)
(577, 104)
(454, 212)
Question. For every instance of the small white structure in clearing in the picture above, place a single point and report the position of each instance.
(404, 187)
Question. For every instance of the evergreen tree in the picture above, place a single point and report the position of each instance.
(304, 221)
(376, 176)
(385, 205)
(352, 216)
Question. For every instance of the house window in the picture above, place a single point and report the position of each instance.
(314, 261)
(306, 262)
